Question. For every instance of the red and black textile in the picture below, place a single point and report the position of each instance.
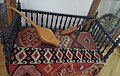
(28, 37)
(35, 58)
(55, 69)
(53, 55)
(54, 62)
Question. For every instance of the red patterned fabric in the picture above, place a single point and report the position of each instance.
(54, 62)
(42, 61)
(86, 40)
(55, 69)
(52, 55)
(29, 38)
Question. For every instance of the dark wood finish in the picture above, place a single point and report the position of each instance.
(3, 17)
(92, 13)
(10, 37)
(93, 8)
(13, 4)
(98, 33)
(10, 13)
(116, 34)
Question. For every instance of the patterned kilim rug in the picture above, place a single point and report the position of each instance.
(57, 69)
(65, 60)
(28, 37)
(54, 62)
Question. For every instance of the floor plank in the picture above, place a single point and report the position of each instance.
(3, 71)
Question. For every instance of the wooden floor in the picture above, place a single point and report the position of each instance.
(3, 71)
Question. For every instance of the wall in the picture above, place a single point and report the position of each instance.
(78, 7)
(108, 6)
(1, 1)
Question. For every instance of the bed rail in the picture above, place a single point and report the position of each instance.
(10, 35)
(102, 38)
(59, 21)
(99, 34)
(116, 43)
(52, 20)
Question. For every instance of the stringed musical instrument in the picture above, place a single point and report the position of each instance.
(73, 28)
(45, 34)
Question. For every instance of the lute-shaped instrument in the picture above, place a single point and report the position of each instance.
(73, 28)
(45, 34)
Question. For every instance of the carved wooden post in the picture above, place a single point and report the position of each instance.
(93, 8)
(92, 11)
(10, 13)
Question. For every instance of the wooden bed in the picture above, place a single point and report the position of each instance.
(56, 22)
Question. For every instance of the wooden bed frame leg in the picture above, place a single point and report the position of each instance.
(10, 13)
(112, 49)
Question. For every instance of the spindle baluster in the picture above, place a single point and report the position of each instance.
(78, 21)
(94, 31)
(47, 20)
(74, 22)
(100, 40)
(106, 46)
(52, 21)
(31, 18)
(56, 23)
(60, 22)
(37, 18)
(98, 36)
(65, 22)
(26, 20)
(69, 22)
(102, 43)
(42, 20)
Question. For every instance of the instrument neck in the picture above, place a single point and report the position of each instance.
(22, 15)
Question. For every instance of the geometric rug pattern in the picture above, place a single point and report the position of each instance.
(76, 54)
(56, 69)
(53, 55)
(86, 40)
(28, 37)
